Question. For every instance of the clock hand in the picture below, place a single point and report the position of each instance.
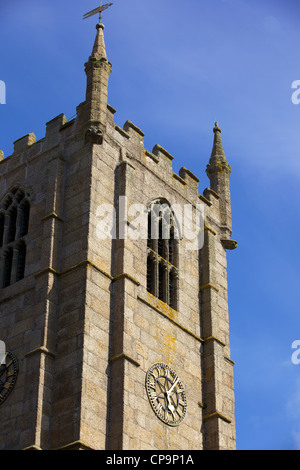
(170, 406)
(168, 392)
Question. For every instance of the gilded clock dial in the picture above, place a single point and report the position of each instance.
(166, 394)
(8, 375)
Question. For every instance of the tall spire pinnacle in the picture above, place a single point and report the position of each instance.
(97, 70)
(218, 172)
(217, 154)
(99, 51)
(217, 162)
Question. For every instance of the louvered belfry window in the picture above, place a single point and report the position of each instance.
(162, 256)
(14, 224)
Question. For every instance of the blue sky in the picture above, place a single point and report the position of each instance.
(177, 67)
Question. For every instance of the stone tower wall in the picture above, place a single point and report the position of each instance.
(81, 322)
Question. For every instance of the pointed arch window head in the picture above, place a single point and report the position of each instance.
(162, 260)
(7, 202)
(14, 226)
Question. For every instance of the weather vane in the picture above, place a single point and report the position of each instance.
(97, 10)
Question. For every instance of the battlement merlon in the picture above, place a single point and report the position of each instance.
(24, 142)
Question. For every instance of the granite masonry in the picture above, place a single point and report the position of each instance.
(76, 309)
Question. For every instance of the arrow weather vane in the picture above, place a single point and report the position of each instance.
(97, 10)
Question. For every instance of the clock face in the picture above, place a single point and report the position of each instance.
(8, 375)
(166, 394)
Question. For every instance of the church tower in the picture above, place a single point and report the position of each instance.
(113, 313)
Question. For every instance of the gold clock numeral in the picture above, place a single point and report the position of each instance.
(159, 408)
(154, 375)
(10, 374)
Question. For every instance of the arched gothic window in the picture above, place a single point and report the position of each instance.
(162, 260)
(14, 223)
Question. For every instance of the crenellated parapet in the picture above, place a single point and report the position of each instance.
(130, 137)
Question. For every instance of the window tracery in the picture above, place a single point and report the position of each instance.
(14, 224)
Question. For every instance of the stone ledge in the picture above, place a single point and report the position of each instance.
(126, 276)
(76, 445)
(202, 405)
(216, 414)
(89, 264)
(209, 284)
(72, 268)
(125, 357)
(229, 360)
(111, 109)
(210, 230)
(33, 447)
(41, 350)
(52, 215)
(214, 338)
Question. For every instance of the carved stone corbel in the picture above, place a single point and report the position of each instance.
(94, 135)
(229, 244)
